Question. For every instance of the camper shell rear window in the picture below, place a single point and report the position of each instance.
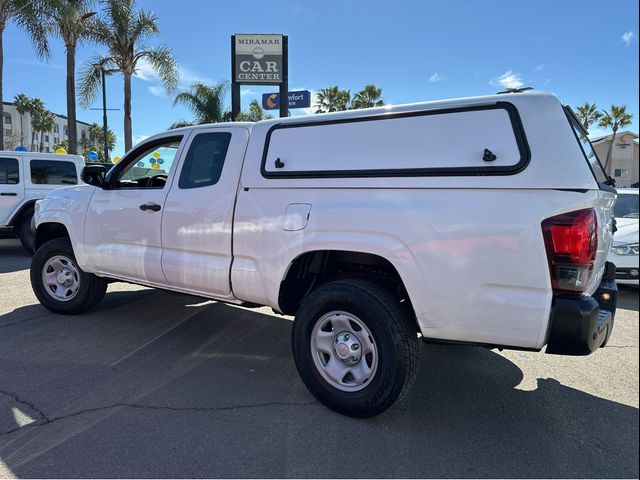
(465, 141)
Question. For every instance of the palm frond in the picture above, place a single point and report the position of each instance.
(89, 80)
(164, 63)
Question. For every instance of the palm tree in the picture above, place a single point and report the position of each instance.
(588, 114)
(36, 109)
(23, 105)
(616, 118)
(68, 21)
(124, 31)
(28, 15)
(369, 97)
(254, 113)
(332, 99)
(205, 101)
(43, 122)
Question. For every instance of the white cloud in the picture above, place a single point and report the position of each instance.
(248, 92)
(35, 64)
(627, 37)
(145, 72)
(139, 138)
(436, 77)
(507, 80)
(158, 91)
(538, 68)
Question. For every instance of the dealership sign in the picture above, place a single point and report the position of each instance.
(258, 59)
(299, 99)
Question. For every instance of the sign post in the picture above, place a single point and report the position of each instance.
(259, 59)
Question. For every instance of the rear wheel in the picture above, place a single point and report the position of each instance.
(26, 233)
(354, 347)
(60, 285)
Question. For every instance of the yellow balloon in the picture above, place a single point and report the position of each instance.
(156, 155)
(61, 151)
(155, 166)
(116, 159)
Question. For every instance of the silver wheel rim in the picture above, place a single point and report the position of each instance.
(344, 351)
(61, 278)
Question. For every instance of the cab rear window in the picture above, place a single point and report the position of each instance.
(53, 172)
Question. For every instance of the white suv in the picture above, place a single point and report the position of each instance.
(26, 177)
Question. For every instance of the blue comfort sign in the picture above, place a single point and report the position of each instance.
(299, 99)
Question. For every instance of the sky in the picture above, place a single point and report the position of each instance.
(581, 51)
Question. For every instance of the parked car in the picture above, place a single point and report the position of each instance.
(26, 177)
(480, 221)
(624, 251)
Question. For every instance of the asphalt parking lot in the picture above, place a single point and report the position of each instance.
(154, 384)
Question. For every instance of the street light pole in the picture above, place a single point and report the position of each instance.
(105, 127)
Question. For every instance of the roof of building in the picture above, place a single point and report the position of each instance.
(610, 136)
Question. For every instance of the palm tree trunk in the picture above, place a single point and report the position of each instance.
(22, 129)
(1, 72)
(128, 134)
(609, 153)
(71, 99)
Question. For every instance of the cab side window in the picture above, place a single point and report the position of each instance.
(204, 161)
(150, 167)
(9, 174)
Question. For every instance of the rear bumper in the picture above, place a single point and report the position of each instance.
(581, 325)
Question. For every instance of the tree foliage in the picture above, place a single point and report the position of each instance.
(588, 114)
(125, 31)
(206, 102)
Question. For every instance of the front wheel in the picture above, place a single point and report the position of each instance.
(354, 347)
(60, 285)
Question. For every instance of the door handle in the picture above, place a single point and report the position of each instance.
(150, 206)
(8, 194)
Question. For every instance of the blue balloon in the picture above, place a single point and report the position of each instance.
(160, 161)
(93, 155)
(152, 161)
(140, 164)
(21, 149)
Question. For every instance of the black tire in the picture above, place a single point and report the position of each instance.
(394, 336)
(26, 233)
(91, 289)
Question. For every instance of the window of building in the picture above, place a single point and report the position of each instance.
(621, 172)
(9, 171)
(7, 119)
(46, 138)
(205, 159)
(65, 130)
(56, 129)
(53, 172)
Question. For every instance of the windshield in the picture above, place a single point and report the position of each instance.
(626, 206)
(587, 148)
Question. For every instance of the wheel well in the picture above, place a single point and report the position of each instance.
(312, 269)
(25, 209)
(50, 231)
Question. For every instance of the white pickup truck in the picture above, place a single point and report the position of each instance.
(480, 220)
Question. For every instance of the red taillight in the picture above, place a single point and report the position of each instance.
(571, 240)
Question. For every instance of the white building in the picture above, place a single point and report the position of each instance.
(17, 132)
(624, 157)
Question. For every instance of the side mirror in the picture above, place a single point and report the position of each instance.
(94, 175)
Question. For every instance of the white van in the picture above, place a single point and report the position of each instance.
(26, 177)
